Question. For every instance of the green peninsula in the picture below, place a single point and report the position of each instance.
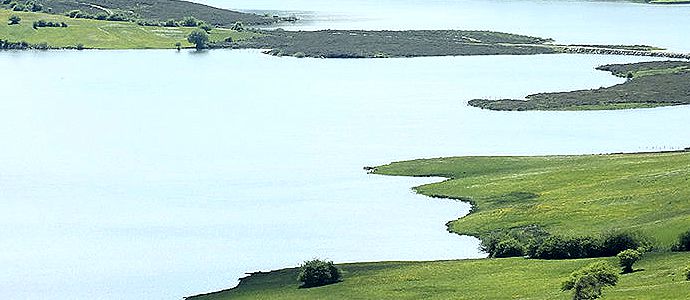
(649, 84)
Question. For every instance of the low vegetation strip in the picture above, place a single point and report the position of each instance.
(650, 84)
(511, 278)
(371, 44)
(97, 34)
(574, 195)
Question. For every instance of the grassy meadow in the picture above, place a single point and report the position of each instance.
(96, 34)
(566, 195)
(657, 276)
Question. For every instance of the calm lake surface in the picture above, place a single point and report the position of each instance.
(157, 174)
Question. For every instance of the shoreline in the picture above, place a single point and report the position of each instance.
(250, 281)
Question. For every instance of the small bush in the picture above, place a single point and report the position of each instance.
(683, 243)
(171, 23)
(190, 22)
(628, 258)
(14, 19)
(317, 272)
(206, 27)
(299, 55)
(587, 283)
(238, 26)
(687, 274)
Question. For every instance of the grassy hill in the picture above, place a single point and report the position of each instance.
(652, 84)
(156, 10)
(566, 195)
(97, 34)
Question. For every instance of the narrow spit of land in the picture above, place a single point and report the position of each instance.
(570, 196)
(649, 84)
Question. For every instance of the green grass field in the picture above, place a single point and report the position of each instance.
(658, 276)
(567, 195)
(97, 34)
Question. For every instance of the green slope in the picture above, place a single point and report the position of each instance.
(101, 34)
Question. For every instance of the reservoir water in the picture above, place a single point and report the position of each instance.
(157, 174)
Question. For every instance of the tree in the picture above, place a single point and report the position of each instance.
(199, 38)
(317, 272)
(206, 27)
(178, 45)
(628, 258)
(687, 273)
(190, 22)
(14, 19)
(588, 281)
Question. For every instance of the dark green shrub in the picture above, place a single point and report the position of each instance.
(553, 247)
(14, 19)
(587, 283)
(19, 7)
(238, 26)
(508, 247)
(190, 22)
(687, 273)
(683, 243)
(616, 242)
(171, 23)
(206, 27)
(118, 17)
(317, 272)
(35, 7)
(627, 258)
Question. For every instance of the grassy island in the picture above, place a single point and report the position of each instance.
(565, 195)
(381, 44)
(649, 84)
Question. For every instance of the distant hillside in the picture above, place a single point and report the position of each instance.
(156, 10)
